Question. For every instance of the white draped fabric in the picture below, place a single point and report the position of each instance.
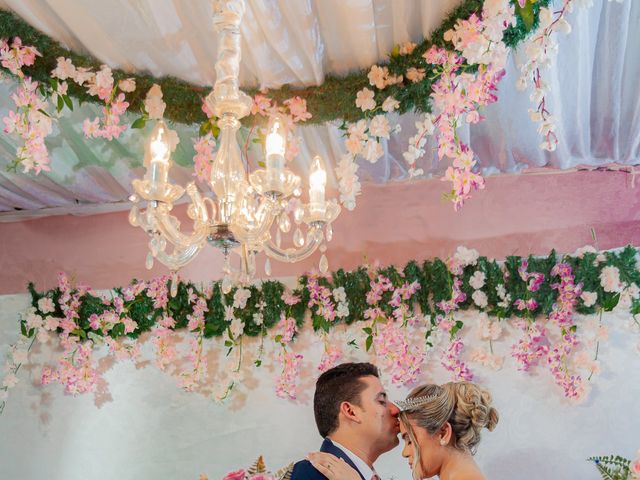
(594, 87)
(139, 425)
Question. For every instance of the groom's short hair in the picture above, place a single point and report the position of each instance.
(339, 384)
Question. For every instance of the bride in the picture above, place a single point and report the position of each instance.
(440, 426)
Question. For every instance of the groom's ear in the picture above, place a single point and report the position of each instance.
(348, 410)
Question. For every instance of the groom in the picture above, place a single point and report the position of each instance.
(355, 418)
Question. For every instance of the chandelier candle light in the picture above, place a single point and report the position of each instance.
(240, 217)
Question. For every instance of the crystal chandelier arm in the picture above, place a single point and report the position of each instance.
(291, 255)
(180, 257)
(250, 232)
(167, 225)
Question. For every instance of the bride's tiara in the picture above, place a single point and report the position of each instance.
(415, 402)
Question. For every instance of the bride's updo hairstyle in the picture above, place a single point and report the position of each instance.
(466, 407)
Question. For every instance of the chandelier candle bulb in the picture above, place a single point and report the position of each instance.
(158, 157)
(275, 150)
(317, 183)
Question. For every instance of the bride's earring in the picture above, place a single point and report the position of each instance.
(443, 442)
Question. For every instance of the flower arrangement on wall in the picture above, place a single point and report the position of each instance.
(400, 317)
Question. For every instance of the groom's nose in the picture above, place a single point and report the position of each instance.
(393, 409)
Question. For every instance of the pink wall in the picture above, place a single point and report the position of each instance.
(517, 214)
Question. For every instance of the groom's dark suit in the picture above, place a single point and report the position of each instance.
(303, 470)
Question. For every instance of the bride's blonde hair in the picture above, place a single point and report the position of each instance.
(466, 406)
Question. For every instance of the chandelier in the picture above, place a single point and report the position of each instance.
(247, 212)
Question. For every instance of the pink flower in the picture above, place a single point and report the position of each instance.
(390, 104)
(261, 104)
(91, 127)
(204, 157)
(364, 100)
(237, 475)
(289, 298)
(298, 108)
(378, 76)
(127, 85)
(406, 48)
(153, 103)
(415, 74)
(286, 386)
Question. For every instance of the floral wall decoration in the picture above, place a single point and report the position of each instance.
(449, 78)
(404, 318)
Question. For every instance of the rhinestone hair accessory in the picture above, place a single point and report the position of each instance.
(415, 402)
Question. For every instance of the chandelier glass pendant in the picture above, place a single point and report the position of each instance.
(247, 212)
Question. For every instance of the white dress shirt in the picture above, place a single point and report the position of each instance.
(365, 470)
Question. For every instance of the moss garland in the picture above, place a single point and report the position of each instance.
(433, 276)
(333, 100)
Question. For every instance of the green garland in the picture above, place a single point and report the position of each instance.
(433, 276)
(334, 99)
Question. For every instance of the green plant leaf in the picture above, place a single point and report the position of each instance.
(139, 122)
(368, 343)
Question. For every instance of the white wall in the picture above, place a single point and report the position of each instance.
(141, 426)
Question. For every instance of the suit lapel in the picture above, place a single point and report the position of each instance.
(329, 447)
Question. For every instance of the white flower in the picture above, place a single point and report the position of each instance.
(521, 83)
(582, 250)
(127, 85)
(10, 381)
(563, 26)
(348, 181)
(229, 314)
(466, 256)
(589, 298)
(372, 150)
(379, 126)
(477, 279)
(46, 305)
(43, 336)
(390, 104)
(19, 356)
(633, 291)
(342, 310)
(364, 100)
(153, 103)
(610, 279)
(358, 129)
(339, 295)
(480, 298)
(258, 319)
(489, 330)
(240, 297)
(33, 320)
(237, 327)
